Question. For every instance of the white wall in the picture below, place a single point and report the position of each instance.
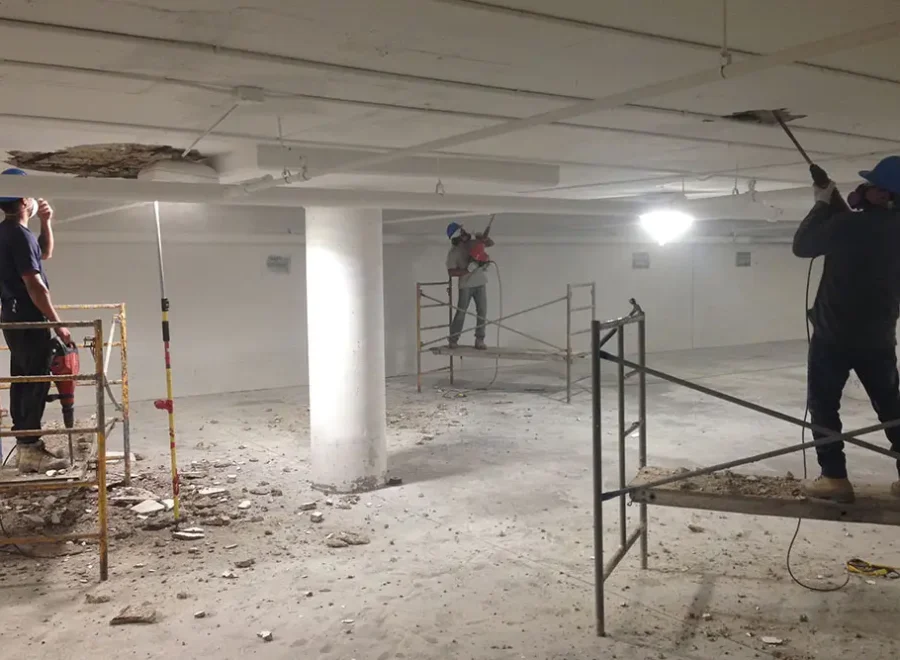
(238, 326)
(694, 295)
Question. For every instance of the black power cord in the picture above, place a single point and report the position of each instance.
(790, 549)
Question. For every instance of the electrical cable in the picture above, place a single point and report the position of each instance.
(790, 549)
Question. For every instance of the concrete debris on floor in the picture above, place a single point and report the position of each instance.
(484, 551)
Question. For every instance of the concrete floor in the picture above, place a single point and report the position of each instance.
(485, 551)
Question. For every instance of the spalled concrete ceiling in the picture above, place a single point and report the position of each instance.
(384, 75)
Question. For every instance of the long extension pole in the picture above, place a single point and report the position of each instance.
(168, 403)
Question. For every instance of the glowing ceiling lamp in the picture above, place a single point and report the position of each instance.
(666, 225)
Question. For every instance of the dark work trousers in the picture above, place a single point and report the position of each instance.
(29, 355)
(827, 372)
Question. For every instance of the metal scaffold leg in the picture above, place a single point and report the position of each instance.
(650, 486)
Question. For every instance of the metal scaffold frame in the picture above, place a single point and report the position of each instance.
(123, 403)
(553, 352)
(69, 481)
(651, 489)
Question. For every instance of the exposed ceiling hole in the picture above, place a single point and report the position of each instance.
(116, 160)
(766, 117)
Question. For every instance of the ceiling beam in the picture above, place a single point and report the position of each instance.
(232, 195)
(818, 48)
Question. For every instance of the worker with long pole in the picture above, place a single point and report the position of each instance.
(167, 404)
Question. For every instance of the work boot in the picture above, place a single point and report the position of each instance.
(826, 488)
(480, 345)
(453, 343)
(33, 458)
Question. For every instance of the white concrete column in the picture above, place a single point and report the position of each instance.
(345, 317)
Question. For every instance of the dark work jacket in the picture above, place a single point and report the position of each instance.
(858, 301)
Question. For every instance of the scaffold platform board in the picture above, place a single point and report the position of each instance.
(763, 496)
(503, 353)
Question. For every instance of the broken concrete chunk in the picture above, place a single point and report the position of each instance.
(265, 635)
(276, 492)
(772, 641)
(229, 575)
(317, 516)
(244, 563)
(182, 595)
(96, 599)
(135, 614)
(244, 505)
(308, 506)
(210, 492)
(353, 538)
(148, 506)
(696, 529)
(189, 534)
(259, 491)
(169, 504)
(231, 478)
(131, 495)
(158, 523)
(218, 521)
(231, 546)
(201, 614)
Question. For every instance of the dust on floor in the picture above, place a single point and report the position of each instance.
(484, 551)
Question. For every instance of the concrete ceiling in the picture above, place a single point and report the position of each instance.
(384, 75)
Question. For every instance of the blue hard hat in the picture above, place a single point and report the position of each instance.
(886, 174)
(453, 230)
(15, 171)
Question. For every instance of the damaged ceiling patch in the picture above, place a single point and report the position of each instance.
(117, 160)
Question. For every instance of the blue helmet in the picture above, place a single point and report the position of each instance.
(454, 229)
(886, 174)
(15, 171)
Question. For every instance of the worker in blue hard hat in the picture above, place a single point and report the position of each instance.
(25, 298)
(468, 262)
(854, 317)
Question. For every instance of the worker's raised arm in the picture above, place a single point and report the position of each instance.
(823, 230)
(45, 240)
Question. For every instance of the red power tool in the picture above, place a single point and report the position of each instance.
(477, 253)
(64, 362)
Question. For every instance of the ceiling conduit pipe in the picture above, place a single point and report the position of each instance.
(818, 48)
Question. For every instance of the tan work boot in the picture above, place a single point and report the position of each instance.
(34, 458)
(826, 488)
(480, 345)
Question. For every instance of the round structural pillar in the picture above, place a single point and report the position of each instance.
(345, 320)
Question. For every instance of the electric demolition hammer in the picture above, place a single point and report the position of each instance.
(64, 362)
(477, 252)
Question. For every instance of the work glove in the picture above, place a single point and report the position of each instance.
(823, 194)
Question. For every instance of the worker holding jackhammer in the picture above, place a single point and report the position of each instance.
(25, 298)
(854, 317)
(468, 262)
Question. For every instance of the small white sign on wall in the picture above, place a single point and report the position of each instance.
(640, 260)
(278, 264)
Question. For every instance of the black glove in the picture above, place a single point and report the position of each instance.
(819, 176)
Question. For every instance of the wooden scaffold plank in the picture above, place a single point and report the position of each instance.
(764, 496)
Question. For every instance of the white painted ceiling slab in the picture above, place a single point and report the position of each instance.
(393, 74)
